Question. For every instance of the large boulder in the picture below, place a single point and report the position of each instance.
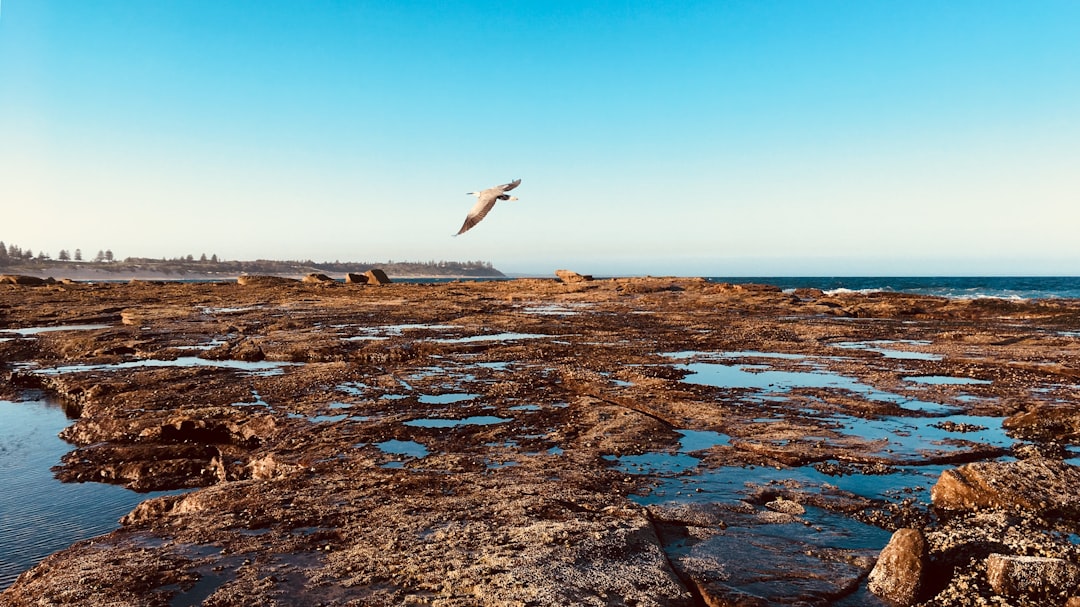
(570, 277)
(899, 572)
(376, 276)
(317, 278)
(1040, 486)
(357, 279)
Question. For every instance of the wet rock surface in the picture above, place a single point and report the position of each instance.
(898, 574)
(646, 441)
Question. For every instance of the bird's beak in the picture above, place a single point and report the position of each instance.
(512, 198)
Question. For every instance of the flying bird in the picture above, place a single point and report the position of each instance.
(485, 200)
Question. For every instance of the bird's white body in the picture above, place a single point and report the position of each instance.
(485, 200)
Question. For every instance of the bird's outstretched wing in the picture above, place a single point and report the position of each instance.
(509, 186)
(478, 212)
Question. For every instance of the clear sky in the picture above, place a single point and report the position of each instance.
(702, 138)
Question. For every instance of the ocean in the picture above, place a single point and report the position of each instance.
(958, 287)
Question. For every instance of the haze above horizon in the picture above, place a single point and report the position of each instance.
(679, 138)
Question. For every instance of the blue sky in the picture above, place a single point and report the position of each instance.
(702, 138)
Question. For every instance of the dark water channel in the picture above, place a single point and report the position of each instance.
(38, 514)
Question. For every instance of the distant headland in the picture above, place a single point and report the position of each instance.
(104, 266)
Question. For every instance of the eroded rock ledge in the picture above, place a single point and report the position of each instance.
(543, 442)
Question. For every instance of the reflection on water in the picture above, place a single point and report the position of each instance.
(476, 420)
(445, 399)
(260, 368)
(493, 337)
(38, 514)
(387, 331)
(407, 449)
(946, 380)
(880, 346)
(680, 480)
(36, 330)
(403, 447)
(765, 379)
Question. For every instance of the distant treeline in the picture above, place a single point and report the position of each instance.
(15, 256)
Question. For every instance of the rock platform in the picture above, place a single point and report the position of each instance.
(640, 441)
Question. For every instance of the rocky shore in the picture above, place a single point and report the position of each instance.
(645, 441)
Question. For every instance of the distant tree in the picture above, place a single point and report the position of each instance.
(108, 255)
(28, 254)
(202, 258)
(63, 255)
(213, 258)
(78, 254)
(14, 251)
(100, 257)
(42, 256)
(190, 257)
(3, 253)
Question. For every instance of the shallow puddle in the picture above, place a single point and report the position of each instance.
(492, 337)
(768, 381)
(38, 330)
(881, 347)
(909, 437)
(672, 462)
(476, 420)
(402, 447)
(382, 332)
(261, 368)
(323, 419)
(946, 380)
(446, 399)
(556, 309)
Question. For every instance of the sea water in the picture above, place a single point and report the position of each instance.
(958, 287)
(38, 514)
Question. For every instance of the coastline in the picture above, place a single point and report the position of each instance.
(1016, 288)
(92, 275)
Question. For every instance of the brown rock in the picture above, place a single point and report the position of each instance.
(377, 277)
(19, 279)
(254, 280)
(353, 278)
(786, 506)
(318, 278)
(747, 288)
(569, 277)
(143, 467)
(898, 574)
(268, 467)
(1032, 576)
(1046, 422)
(1037, 485)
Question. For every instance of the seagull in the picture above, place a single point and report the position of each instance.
(485, 200)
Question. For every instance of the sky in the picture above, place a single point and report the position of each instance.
(715, 138)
